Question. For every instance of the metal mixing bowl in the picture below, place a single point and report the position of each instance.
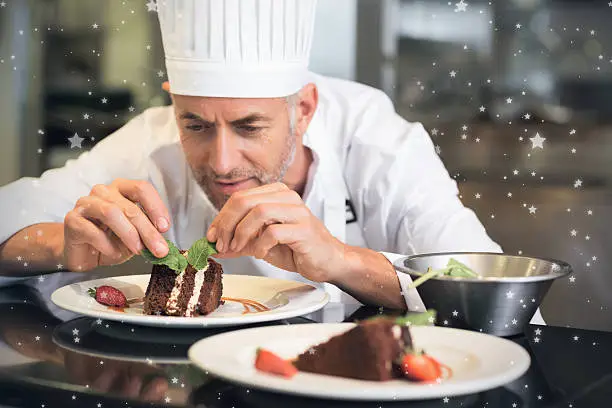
(501, 301)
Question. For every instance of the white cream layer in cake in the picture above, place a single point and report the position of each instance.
(172, 303)
(197, 288)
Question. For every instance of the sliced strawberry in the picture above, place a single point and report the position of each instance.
(270, 363)
(421, 367)
(108, 296)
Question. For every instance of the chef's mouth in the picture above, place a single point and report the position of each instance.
(231, 183)
(227, 186)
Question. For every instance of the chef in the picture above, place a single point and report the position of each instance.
(294, 175)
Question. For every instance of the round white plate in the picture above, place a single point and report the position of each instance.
(478, 361)
(285, 298)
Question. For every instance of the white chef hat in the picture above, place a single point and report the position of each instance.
(237, 48)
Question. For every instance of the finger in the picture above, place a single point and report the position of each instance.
(80, 230)
(131, 387)
(105, 380)
(124, 253)
(262, 216)
(265, 189)
(112, 216)
(119, 245)
(166, 86)
(149, 235)
(155, 390)
(146, 195)
(273, 235)
(238, 207)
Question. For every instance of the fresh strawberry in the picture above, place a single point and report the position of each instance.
(421, 367)
(108, 296)
(270, 363)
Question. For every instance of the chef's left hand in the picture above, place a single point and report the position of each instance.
(272, 223)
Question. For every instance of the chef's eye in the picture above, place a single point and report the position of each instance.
(196, 127)
(250, 129)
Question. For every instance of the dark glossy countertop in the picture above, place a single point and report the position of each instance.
(50, 358)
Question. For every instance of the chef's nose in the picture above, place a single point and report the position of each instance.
(225, 155)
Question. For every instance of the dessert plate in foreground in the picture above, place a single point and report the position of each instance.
(477, 362)
(247, 300)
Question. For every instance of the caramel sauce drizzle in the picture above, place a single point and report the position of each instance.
(247, 304)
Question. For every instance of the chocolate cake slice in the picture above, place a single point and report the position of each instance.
(212, 289)
(190, 293)
(369, 351)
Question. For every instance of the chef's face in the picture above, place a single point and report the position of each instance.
(236, 144)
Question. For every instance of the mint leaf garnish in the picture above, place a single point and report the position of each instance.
(426, 318)
(174, 260)
(199, 252)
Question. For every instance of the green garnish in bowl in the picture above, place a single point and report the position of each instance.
(454, 269)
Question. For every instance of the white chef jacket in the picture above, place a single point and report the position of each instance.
(376, 181)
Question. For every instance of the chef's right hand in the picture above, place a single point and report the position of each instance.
(113, 223)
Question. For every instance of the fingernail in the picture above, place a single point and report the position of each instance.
(212, 234)
(233, 245)
(139, 247)
(160, 247)
(219, 245)
(162, 223)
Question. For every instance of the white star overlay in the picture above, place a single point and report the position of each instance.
(152, 6)
(537, 141)
(461, 6)
(75, 141)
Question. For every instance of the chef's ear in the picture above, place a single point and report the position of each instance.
(308, 100)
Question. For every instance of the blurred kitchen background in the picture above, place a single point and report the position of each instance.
(483, 77)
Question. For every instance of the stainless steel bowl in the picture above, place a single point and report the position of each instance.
(501, 301)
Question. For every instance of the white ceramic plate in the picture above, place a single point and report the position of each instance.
(478, 361)
(284, 298)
